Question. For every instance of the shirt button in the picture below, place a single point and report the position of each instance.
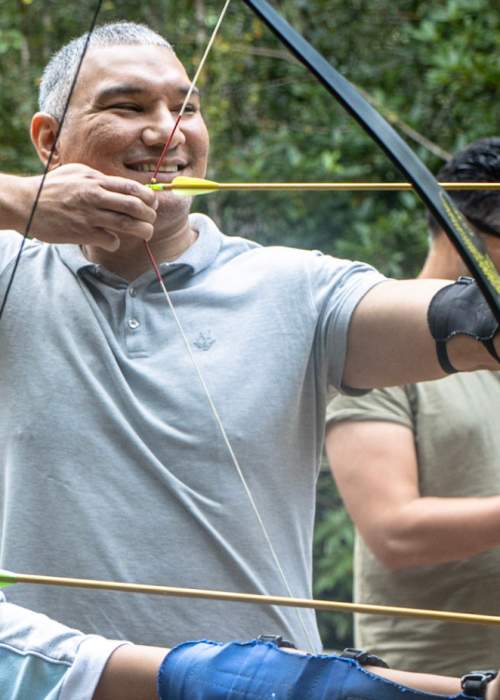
(132, 292)
(133, 323)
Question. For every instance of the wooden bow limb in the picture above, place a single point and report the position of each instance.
(9, 578)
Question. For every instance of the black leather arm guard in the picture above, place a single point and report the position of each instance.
(460, 309)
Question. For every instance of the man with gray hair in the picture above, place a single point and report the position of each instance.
(171, 464)
(59, 73)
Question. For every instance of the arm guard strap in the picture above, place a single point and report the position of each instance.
(460, 309)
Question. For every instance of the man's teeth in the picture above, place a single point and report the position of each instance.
(145, 168)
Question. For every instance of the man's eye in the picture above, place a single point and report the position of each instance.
(127, 106)
(189, 109)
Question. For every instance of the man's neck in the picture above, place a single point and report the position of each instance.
(131, 259)
(442, 262)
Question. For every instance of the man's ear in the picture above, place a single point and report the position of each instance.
(44, 129)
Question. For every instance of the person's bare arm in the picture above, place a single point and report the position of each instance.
(390, 343)
(426, 682)
(375, 466)
(78, 205)
(493, 689)
(131, 674)
(430, 683)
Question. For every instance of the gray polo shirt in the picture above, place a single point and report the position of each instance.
(112, 465)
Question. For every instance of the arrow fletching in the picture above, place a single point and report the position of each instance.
(187, 186)
(7, 578)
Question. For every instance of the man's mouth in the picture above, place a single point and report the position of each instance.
(168, 170)
(151, 167)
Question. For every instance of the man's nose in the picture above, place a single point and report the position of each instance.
(160, 128)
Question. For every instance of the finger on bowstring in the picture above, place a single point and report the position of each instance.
(126, 205)
(130, 188)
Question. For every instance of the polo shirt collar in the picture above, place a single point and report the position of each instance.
(196, 258)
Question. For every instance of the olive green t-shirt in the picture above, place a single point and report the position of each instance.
(456, 425)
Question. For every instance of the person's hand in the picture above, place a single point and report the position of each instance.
(83, 206)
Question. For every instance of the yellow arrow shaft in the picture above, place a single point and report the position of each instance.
(319, 186)
(325, 605)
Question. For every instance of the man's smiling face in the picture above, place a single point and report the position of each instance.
(122, 113)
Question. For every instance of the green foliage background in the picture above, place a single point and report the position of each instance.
(431, 68)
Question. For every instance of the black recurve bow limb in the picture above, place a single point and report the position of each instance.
(29, 223)
(469, 246)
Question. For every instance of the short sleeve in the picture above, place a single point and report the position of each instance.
(10, 243)
(392, 405)
(337, 288)
(51, 660)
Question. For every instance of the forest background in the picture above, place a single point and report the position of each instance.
(429, 67)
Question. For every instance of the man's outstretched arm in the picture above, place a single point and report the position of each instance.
(132, 674)
(47, 659)
(390, 342)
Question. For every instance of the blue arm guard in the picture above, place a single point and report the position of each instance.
(261, 671)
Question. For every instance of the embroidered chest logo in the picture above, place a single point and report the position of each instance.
(204, 341)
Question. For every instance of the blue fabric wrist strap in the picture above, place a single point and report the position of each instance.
(259, 670)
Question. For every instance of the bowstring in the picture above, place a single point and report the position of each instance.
(204, 385)
(191, 88)
(46, 169)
